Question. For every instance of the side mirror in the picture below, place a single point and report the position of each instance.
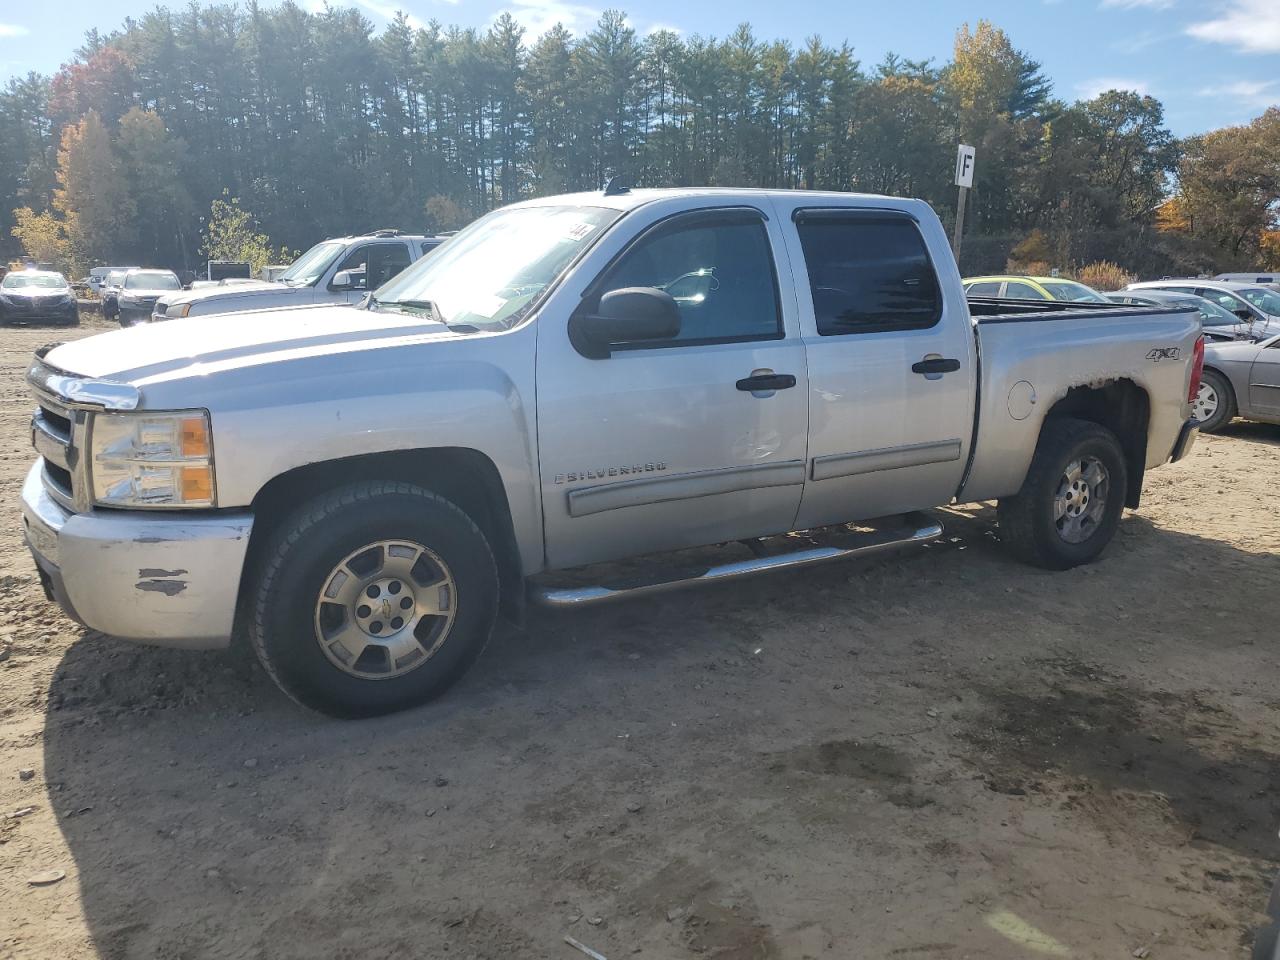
(628, 315)
(1244, 313)
(348, 280)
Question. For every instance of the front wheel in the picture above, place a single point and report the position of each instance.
(373, 598)
(1071, 500)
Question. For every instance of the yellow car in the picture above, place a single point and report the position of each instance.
(1031, 288)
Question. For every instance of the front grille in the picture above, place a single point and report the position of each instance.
(60, 422)
(53, 432)
(57, 479)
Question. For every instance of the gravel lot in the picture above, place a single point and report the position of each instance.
(940, 754)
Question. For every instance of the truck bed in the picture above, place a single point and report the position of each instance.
(1135, 354)
(1002, 310)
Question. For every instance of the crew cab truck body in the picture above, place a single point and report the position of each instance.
(341, 270)
(574, 380)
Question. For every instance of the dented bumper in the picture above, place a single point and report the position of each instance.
(159, 578)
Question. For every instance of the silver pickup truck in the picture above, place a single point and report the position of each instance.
(342, 270)
(573, 380)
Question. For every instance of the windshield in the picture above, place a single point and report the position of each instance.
(152, 280)
(1211, 314)
(1070, 290)
(1264, 300)
(310, 267)
(48, 281)
(489, 275)
(114, 278)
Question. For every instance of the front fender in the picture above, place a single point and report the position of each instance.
(470, 391)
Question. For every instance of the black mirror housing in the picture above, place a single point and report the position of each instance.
(627, 315)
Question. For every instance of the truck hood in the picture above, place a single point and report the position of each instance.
(161, 351)
(236, 291)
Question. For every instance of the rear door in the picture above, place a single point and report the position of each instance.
(892, 376)
(667, 444)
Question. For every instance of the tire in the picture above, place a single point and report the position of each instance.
(1031, 523)
(1216, 401)
(407, 663)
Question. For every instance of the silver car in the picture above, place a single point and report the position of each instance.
(1241, 379)
(1217, 322)
(1250, 302)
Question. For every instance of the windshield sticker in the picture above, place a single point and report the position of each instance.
(579, 231)
(486, 306)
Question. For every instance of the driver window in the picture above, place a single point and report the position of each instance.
(357, 261)
(719, 270)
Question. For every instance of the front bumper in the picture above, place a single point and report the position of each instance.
(43, 313)
(130, 313)
(1186, 440)
(164, 578)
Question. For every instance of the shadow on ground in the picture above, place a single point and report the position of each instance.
(766, 730)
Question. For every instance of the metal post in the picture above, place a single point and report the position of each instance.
(959, 233)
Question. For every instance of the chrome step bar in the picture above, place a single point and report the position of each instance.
(915, 528)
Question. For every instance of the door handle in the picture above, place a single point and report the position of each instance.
(766, 381)
(935, 365)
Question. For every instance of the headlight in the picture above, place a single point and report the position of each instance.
(178, 310)
(152, 459)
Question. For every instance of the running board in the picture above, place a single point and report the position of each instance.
(915, 528)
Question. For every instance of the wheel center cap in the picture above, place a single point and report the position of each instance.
(383, 607)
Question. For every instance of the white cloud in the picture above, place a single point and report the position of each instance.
(13, 30)
(1138, 42)
(656, 27)
(1088, 89)
(1250, 26)
(388, 11)
(539, 16)
(1136, 4)
(1253, 94)
(378, 8)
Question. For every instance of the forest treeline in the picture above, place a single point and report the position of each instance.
(320, 125)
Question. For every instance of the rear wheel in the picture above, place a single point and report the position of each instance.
(1071, 500)
(1215, 403)
(373, 598)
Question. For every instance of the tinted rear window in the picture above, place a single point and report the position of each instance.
(868, 273)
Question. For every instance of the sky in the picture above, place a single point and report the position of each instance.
(1211, 62)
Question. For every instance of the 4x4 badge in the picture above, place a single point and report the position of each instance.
(1164, 353)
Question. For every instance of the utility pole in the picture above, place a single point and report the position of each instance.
(965, 160)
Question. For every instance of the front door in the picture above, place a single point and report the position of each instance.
(670, 444)
(1264, 381)
(891, 363)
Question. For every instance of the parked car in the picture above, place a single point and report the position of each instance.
(1261, 278)
(570, 381)
(1250, 302)
(1031, 288)
(98, 276)
(37, 296)
(1241, 379)
(1217, 322)
(109, 295)
(334, 271)
(139, 292)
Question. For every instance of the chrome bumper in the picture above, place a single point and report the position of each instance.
(157, 578)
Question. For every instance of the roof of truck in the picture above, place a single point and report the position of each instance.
(630, 199)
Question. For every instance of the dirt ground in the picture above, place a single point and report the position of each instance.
(938, 754)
